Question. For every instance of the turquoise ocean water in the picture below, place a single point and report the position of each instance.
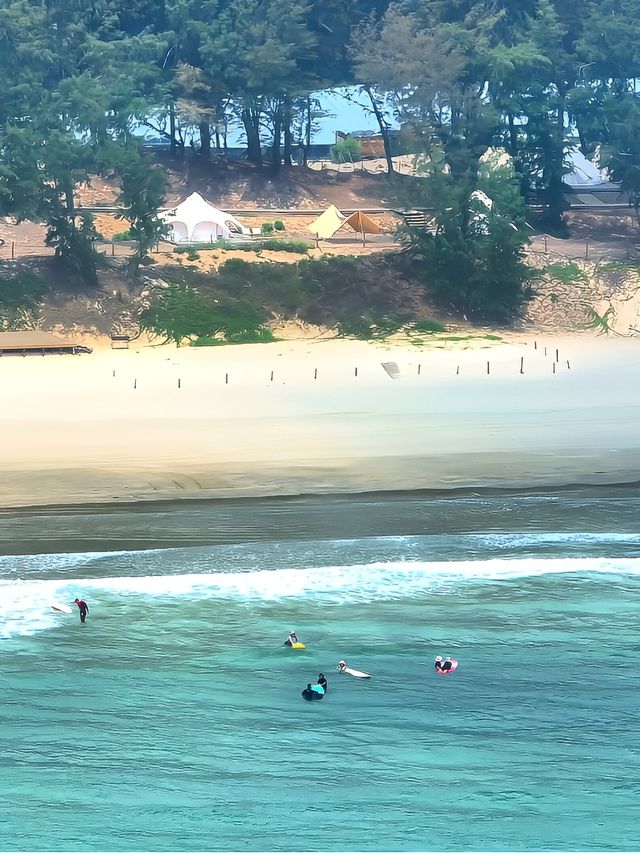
(173, 719)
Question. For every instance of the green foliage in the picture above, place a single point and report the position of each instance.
(299, 247)
(618, 267)
(368, 327)
(20, 296)
(142, 194)
(529, 77)
(566, 272)
(278, 225)
(180, 312)
(472, 259)
(74, 245)
(346, 150)
(600, 322)
(257, 336)
(429, 327)
(266, 228)
(123, 236)
(236, 303)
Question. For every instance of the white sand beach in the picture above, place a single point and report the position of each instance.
(162, 422)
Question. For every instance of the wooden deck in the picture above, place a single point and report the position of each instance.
(37, 343)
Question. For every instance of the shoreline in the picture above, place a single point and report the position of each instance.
(311, 418)
(170, 503)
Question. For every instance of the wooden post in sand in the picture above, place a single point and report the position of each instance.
(568, 365)
(272, 375)
(488, 368)
(356, 372)
(317, 240)
(457, 370)
(557, 358)
(114, 374)
(554, 367)
(135, 384)
(521, 364)
(315, 373)
(419, 366)
(13, 250)
(113, 248)
(178, 383)
(226, 379)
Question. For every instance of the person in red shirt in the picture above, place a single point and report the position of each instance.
(83, 607)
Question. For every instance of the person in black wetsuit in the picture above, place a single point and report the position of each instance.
(310, 694)
(443, 666)
(322, 681)
(83, 607)
(291, 639)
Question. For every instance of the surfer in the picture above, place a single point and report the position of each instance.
(342, 666)
(443, 665)
(313, 691)
(322, 681)
(291, 639)
(83, 607)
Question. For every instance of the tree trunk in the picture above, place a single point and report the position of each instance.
(276, 158)
(205, 140)
(250, 120)
(584, 145)
(286, 124)
(384, 131)
(513, 136)
(172, 128)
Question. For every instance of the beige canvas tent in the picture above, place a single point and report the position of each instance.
(332, 220)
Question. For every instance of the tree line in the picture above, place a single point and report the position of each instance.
(529, 77)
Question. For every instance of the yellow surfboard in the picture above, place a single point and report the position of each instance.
(298, 646)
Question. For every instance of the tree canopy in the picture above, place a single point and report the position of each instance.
(532, 77)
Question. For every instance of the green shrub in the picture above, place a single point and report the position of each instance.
(366, 328)
(567, 273)
(122, 236)
(279, 225)
(430, 327)
(181, 312)
(266, 228)
(346, 150)
(20, 296)
(299, 247)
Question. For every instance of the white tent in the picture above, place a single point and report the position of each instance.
(196, 221)
(583, 172)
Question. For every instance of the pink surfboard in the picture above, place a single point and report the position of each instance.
(454, 666)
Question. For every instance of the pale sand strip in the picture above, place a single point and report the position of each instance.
(72, 432)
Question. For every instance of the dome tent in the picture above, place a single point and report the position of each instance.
(332, 220)
(194, 220)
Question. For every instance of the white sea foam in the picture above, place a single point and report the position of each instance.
(25, 605)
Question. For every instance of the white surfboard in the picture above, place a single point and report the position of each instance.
(61, 608)
(354, 672)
